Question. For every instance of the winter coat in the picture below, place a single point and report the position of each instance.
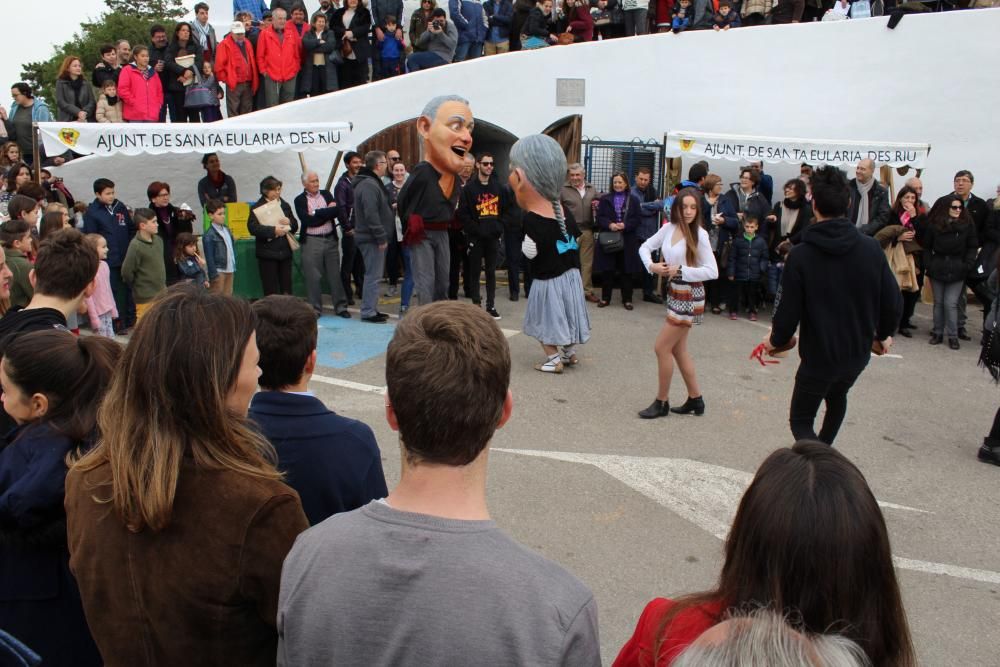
(311, 46)
(728, 229)
(141, 98)
(889, 235)
(757, 206)
(361, 27)
(950, 252)
(500, 14)
(747, 259)
(279, 59)
(631, 218)
(878, 207)
(774, 235)
(582, 22)
(270, 246)
(229, 56)
(317, 219)
(649, 212)
(174, 70)
(108, 113)
(66, 103)
(418, 26)
(581, 207)
(762, 7)
(467, 15)
(374, 221)
(113, 223)
(41, 602)
(537, 25)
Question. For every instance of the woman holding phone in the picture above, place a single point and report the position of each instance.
(720, 221)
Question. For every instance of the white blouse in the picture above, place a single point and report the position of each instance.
(706, 269)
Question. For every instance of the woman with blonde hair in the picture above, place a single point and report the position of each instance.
(687, 262)
(178, 522)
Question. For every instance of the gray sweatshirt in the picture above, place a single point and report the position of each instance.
(374, 221)
(442, 43)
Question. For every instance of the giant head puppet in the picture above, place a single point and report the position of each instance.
(445, 125)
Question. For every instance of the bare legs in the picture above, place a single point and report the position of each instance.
(671, 346)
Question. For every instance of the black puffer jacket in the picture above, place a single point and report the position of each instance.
(270, 246)
(950, 251)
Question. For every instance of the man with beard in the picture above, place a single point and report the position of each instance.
(351, 263)
(427, 202)
(484, 205)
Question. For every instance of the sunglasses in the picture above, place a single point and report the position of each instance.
(486, 164)
(956, 207)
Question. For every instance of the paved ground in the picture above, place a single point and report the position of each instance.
(637, 508)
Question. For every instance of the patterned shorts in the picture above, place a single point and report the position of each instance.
(685, 303)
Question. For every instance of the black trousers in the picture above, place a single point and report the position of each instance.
(512, 239)
(459, 257)
(483, 248)
(808, 394)
(994, 436)
(393, 257)
(910, 300)
(352, 73)
(740, 292)
(608, 280)
(351, 265)
(275, 275)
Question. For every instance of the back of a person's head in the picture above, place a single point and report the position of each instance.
(809, 536)
(762, 638)
(66, 264)
(52, 222)
(698, 171)
(830, 193)
(18, 206)
(286, 338)
(447, 371)
(71, 372)
(169, 395)
(32, 190)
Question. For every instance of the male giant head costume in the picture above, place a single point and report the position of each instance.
(445, 125)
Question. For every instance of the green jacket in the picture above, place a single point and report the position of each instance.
(143, 268)
(20, 287)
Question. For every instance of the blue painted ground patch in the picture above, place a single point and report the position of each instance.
(344, 343)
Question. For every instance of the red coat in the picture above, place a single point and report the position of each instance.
(229, 61)
(279, 60)
(582, 23)
(141, 98)
(683, 630)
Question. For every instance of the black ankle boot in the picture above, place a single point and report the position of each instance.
(658, 408)
(695, 405)
(989, 452)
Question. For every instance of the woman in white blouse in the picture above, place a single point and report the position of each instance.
(687, 262)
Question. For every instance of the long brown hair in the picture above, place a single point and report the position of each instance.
(691, 230)
(939, 217)
(167, 400)
(809, 538)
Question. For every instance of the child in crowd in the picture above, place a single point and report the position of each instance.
(212, 113)
(726, 18)
(101, 304)
(747, 264)
(53, 398)
(109, 107)
(52, 221)
(682, 16)
(15, 236)
(390, 48)
(110, 218)
(220, 254)
(190, 264)
(79, 209)
(144, 269)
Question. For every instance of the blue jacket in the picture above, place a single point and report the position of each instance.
(39, 593)
(113, 223)
(191, 270)
(748, 259)
(649, 212)
(728, 229)
(500, 14)
(467, 15)
(215, 252)
(332, 461)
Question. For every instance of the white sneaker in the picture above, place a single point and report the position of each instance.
(391, 291)
(552, 365)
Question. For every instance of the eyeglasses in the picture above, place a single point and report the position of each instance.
(394, 158)
(163, 194)
(956, 207)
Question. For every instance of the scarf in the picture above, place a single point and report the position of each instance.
(77, 85)
(863, 190)
(789, 215)
(619, 203)
(201, 33)
(112, 100)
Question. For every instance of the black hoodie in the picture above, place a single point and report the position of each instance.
(838, 288)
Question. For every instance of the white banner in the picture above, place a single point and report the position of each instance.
(739, 148)
(157, 138)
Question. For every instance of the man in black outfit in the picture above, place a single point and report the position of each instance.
(838, 288)
(483, 206)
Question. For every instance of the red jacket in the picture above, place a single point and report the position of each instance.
(279, 60)
(230, 66)
(682, 631)
(141, 98)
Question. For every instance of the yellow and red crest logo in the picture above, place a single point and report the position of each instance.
(69, 136)
(687, 144)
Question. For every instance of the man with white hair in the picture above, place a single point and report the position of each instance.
(317, 210)
(869, 200)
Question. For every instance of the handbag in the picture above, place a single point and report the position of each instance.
(335, 57)
(989, 355)
(611, 242)
(199, 96)
(927, 292)
(345, 48)
(565, 38)
(727, 248)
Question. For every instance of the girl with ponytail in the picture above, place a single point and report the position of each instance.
(687, 261)
(53, 383)
(557, 313)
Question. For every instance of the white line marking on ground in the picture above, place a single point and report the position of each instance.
(509, 333)
(347, 384)
(707, 495)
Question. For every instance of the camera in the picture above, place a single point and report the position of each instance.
(438, 24)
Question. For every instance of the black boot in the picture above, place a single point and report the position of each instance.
(695, 405)
(658, 408)
(989, 452)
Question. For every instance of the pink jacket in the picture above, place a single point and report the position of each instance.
(141, 97)
(103, 299)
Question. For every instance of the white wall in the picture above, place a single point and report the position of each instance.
(932, 80)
